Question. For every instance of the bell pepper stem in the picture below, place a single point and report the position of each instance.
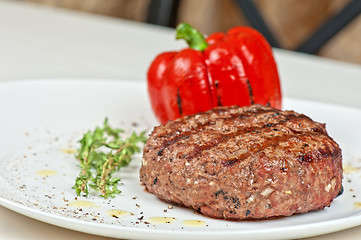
(192, 36)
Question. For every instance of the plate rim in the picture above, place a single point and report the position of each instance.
(317, 228)
(139, 233)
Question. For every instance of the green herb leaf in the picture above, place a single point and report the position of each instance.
(102, 153)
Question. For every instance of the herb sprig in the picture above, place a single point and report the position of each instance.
(102, 152)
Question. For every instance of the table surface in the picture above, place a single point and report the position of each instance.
(42, 42)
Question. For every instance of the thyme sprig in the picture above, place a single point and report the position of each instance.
(102, 152)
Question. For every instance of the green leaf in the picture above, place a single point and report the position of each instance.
(102, 152)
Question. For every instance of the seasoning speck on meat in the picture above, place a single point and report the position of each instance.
(243, 163)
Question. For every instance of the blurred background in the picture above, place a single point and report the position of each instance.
(328, 28)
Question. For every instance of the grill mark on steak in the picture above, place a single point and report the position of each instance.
(172, 141)
(319, 154)
(227, 110)
(249, 113)
(272, 141)
(231, 117)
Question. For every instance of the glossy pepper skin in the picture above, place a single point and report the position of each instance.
(233, 68)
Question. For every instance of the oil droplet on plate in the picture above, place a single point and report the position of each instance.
(357, 204)
(47, 172)
(69, 150)
(193, 223)
(117, 213)
(81, 203)
(349, 169)
(161, 220)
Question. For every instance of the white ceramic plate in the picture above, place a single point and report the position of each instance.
(41, 121)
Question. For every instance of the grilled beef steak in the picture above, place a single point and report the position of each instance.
(243, 163)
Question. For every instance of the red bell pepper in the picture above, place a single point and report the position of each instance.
(236, 68)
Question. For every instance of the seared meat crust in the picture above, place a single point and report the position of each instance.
(243, 162)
